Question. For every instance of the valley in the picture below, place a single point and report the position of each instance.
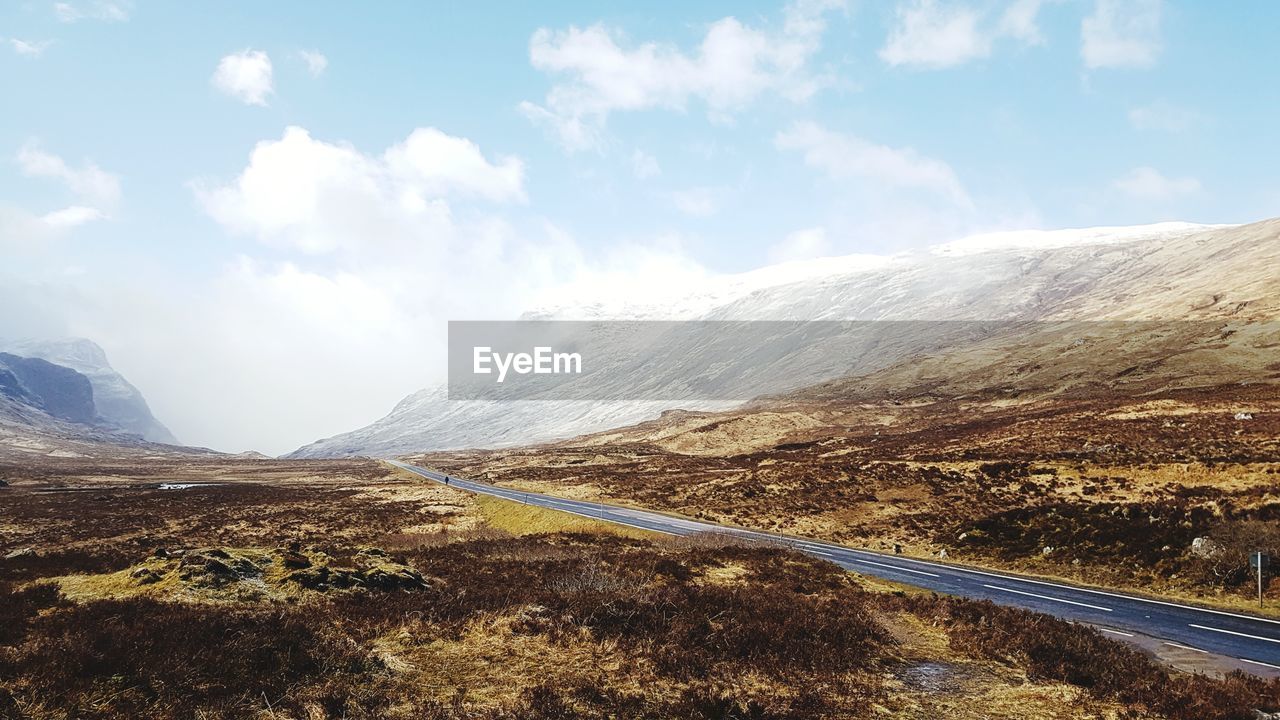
(1136, 449)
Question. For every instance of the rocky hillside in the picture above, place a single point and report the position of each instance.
(118, 403)
(83, 407)
(1172, 271)
(59, 391)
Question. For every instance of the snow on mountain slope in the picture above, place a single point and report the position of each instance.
(1027, 275)
(1033, 240)
(118, 402)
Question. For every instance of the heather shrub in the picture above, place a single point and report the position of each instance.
(1056, 650)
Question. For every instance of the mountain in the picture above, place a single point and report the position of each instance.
(59, 391)
(1154, 272)
(119, 404)
(48, 410)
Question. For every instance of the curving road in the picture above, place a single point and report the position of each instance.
(1187, 636)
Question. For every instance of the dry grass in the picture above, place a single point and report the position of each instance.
(306, 617)
(519, 519)
(584, 625)
(921, 471)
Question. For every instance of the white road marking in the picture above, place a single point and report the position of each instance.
(1233, 632)
(1255, 662)
(891, 567)
(818, 552)
(1187, 647)
(1115, 632)
(1048, 597)
(1136, 598)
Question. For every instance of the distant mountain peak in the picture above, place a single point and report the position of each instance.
(118, 402)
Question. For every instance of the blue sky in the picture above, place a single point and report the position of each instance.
(563, 148)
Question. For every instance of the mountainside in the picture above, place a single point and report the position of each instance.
(1171, 271)
(59, 391)
(1128, 437)
(118, 402)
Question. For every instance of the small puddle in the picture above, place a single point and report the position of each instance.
(119, 488)
(932, 677)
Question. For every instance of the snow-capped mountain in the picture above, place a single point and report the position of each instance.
(1088, 274)
(119, 404)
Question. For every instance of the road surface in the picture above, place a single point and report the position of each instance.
(1185, 635)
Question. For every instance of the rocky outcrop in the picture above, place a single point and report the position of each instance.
(118, 403)
(59, 391)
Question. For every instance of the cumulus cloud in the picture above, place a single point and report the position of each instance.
(104, 10)
(71, 216)
(315, 60)
(28, 48)
(1122, 34)
(930, 34)
(318, 197)
(375, 251)
(933, 35)
(599, 72)
(1149, 185)
(245, 76)
(804, 244)
(1021, 21)
(97, 191)
(844, 156)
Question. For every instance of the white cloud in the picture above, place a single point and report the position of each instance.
(1149, 185)
(1020, 21)
(804, 244)
(644, 165)
(698, 202)
(104, 10)
(435, 164)
(412, 236)
(245, 76)
(71, 216)
(931, 34)
(96, 188)
(843, 156)
(315, 60)
(319, 197)
(32, 49)
(1164, 117)
(735, 64)
(1122, 34)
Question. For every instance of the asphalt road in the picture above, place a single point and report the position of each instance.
(1189, 636)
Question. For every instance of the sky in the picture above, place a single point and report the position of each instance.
(267, 212)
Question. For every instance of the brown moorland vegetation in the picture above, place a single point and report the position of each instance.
(1097, 488)
(396, 599)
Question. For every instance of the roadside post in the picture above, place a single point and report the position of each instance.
(1259, 561)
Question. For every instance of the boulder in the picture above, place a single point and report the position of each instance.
(146, 576)
(294, 560)
(1205, 547)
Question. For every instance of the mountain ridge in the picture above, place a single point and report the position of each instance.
(1094, 273)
